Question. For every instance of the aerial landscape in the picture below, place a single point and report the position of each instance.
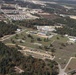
(37, 37)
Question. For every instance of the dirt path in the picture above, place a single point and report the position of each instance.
(61, 71)
(68, 62)
(19, 70)
(44, 54)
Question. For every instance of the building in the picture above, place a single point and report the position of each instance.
(46, 28)
(72, 39)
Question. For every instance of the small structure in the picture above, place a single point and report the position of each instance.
(18, 30)
(72, 39)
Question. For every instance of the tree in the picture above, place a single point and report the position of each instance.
(53, 50)
(7, 29)
(40, 47)
(39, 39)
(46, 39)
(58, 38)
(51, 45)
(62, 44)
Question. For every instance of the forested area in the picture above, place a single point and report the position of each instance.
(32, 23)
(11, 57)
(6, 29)
(69, 26)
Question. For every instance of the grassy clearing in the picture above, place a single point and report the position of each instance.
(60, 38)
(64, 52)
(29, 42)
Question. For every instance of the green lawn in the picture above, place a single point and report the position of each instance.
(29, 41)
(60, 38)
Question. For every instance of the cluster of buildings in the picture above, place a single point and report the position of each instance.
(46, 28)
(20, 17)
(16, 12)
(71, 39)
(44, 31)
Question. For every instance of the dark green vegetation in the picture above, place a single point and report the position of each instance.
(10, 8)
(33, 23)
(6, 29)
(55, 8)
(69, 26)
(11, 57)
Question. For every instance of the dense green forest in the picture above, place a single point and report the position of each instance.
(69, 26)
(6, 29)
(32, 23)
(11, 57)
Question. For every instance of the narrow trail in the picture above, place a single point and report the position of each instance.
(68, 62)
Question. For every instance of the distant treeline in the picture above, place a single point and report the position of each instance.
(32, 23)
(69, 26)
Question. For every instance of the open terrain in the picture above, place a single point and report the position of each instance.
(51, 36)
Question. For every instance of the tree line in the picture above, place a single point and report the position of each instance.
(69, 26)
(6, 29)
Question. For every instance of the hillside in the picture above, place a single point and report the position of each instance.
(12, 62)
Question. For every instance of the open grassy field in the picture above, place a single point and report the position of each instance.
(34, 41)
(63, 52)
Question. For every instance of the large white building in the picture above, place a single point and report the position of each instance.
(46, 28)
